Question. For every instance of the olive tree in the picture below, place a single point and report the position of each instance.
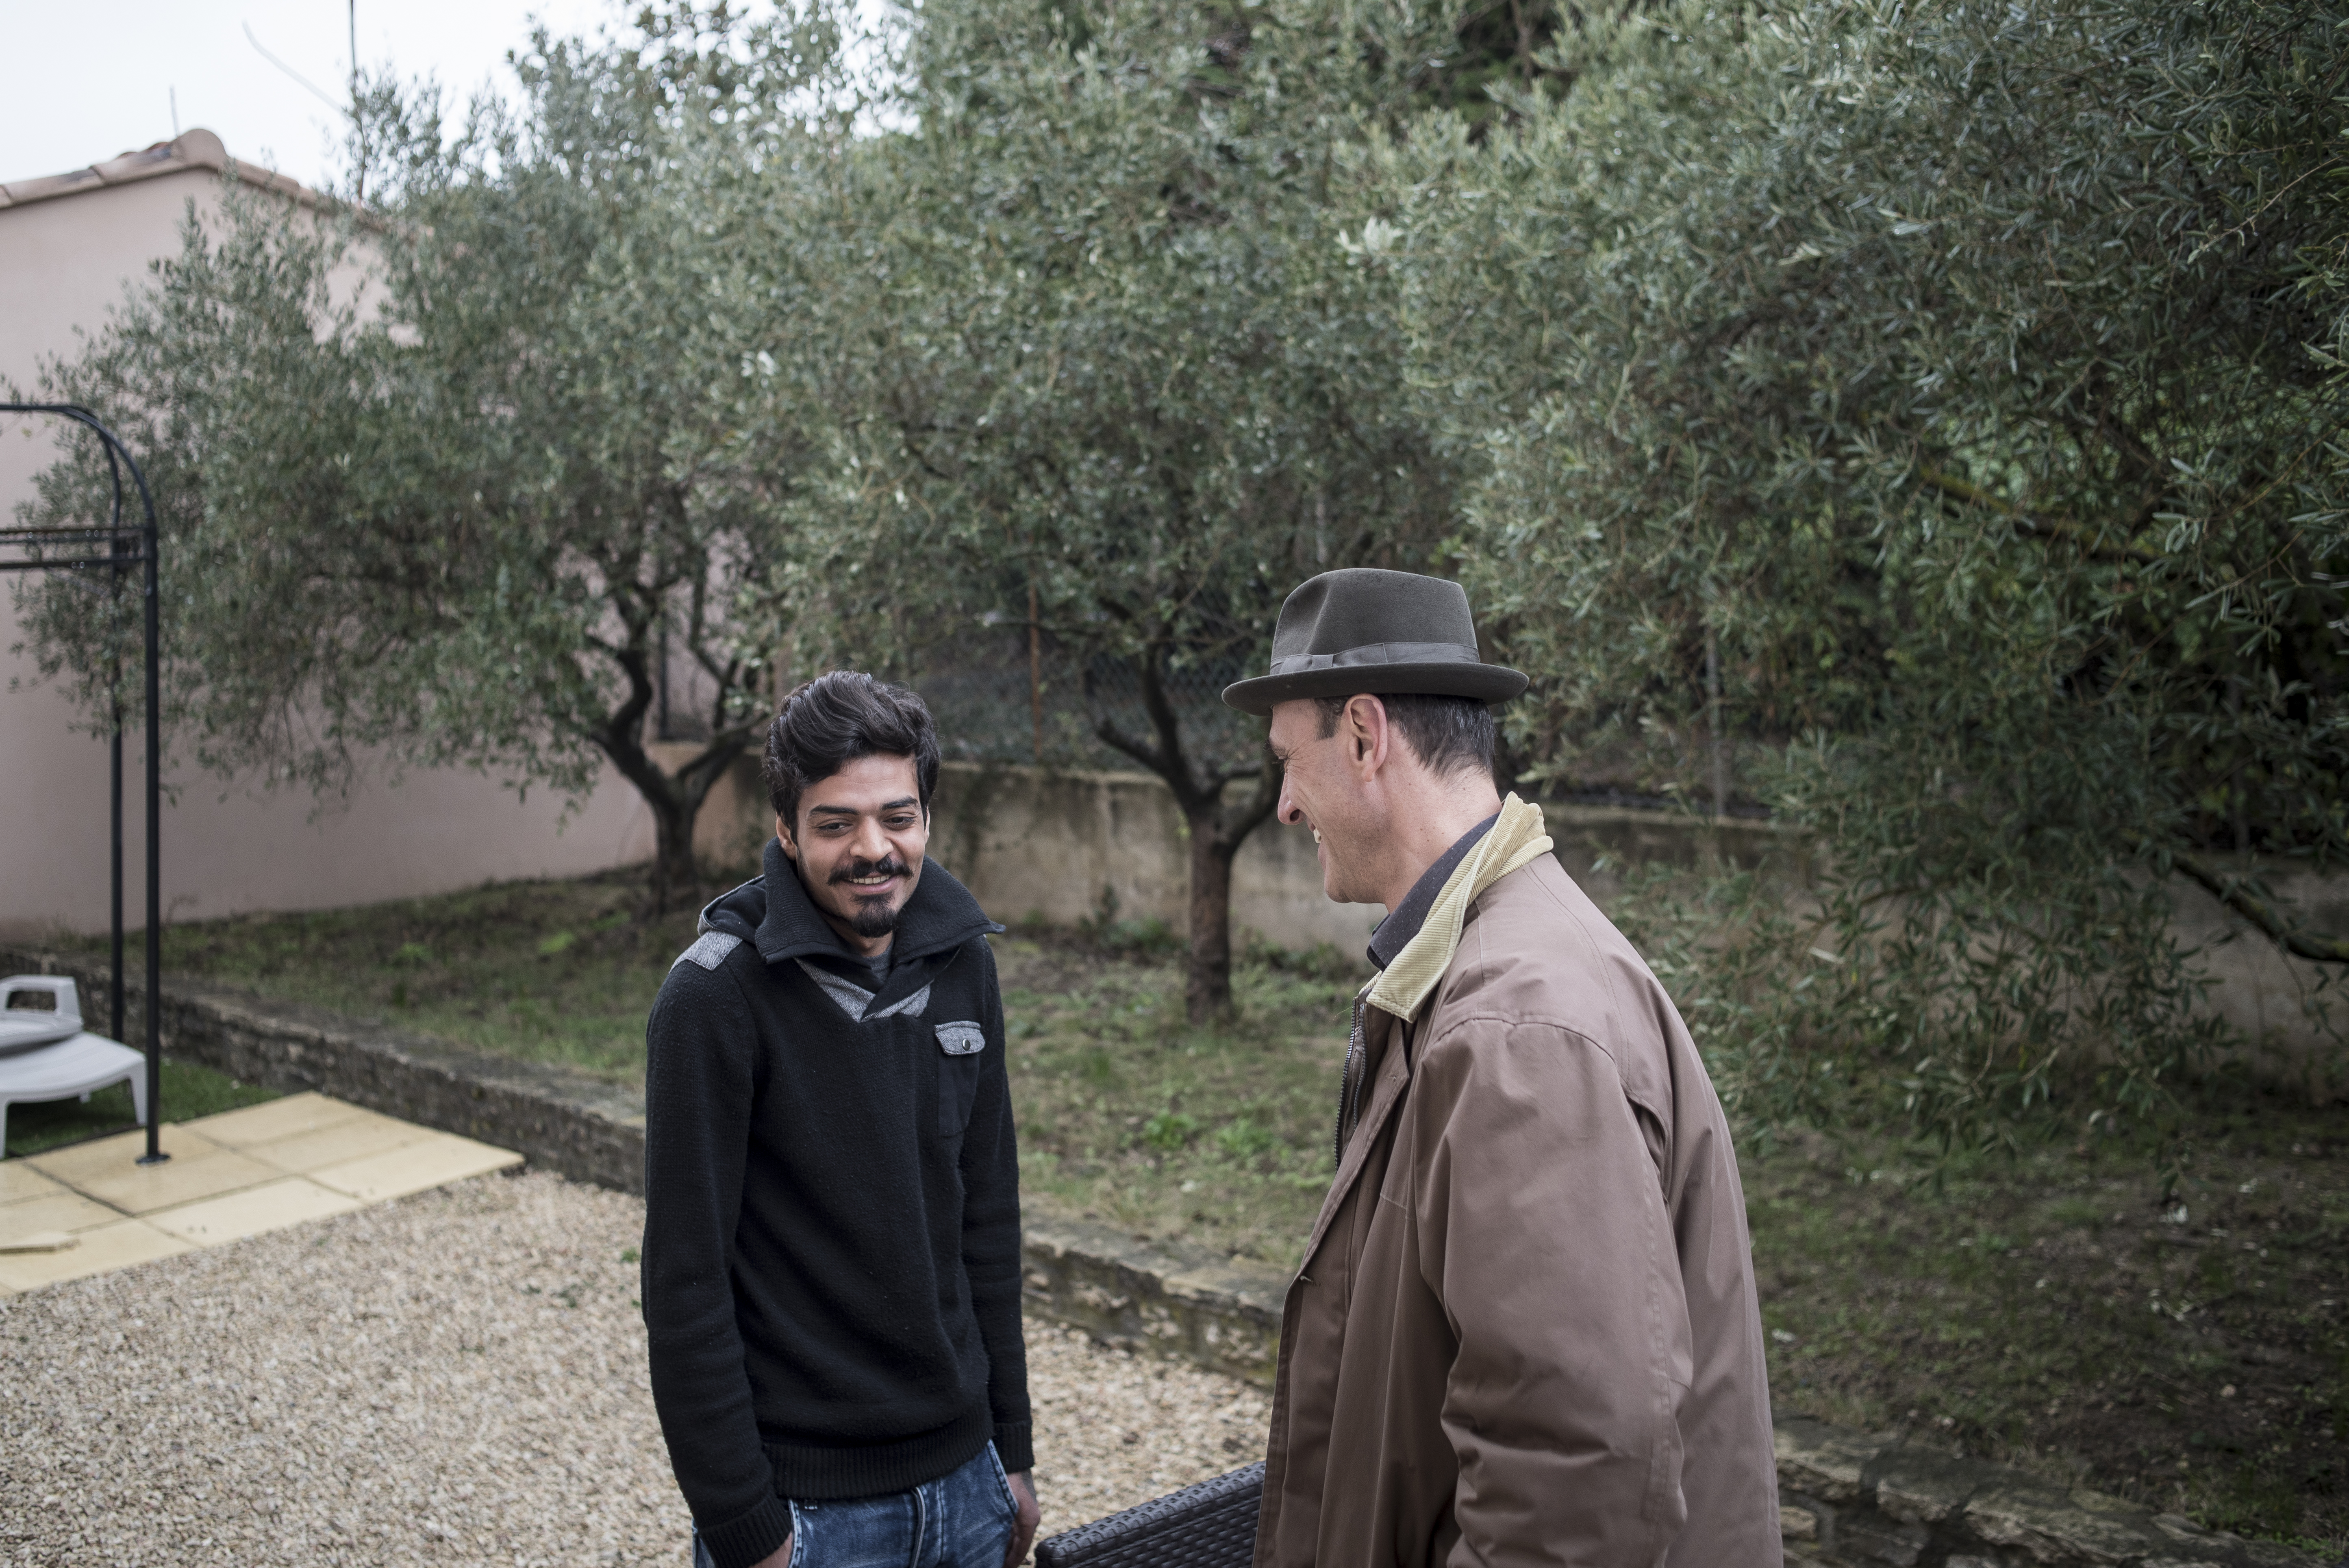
(448, 477)
(1096, 345)
(1934, 414)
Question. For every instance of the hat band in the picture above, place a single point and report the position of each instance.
(1372, 653)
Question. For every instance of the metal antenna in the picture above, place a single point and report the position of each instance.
(316, 90)
(355, 50)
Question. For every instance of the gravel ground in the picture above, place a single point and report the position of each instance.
(455, 1377)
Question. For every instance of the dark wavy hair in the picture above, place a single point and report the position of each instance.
(1449, 735)
(829, 722)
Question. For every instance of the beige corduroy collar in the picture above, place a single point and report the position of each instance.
(1517, 838)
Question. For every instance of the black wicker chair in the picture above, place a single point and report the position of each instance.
(1210, 1525)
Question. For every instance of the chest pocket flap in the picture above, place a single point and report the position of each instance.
(961, 1039)
(960, 1043)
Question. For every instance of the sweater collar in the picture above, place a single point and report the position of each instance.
(775, 913)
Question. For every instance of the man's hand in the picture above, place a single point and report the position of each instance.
(781, 1557)
(1023, 1522)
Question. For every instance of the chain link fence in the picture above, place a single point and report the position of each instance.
(999, 700)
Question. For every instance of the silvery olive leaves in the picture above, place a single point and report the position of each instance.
(1939, 410)
(1922, 425)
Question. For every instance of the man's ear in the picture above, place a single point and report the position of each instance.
(1366, 730)
(783, 835)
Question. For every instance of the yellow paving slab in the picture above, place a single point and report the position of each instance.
(305, 1157)
(109, 1172)
(103, 1156)
(101, 1251)
(18, 1179)
(433, 1161)
(272, 1119)
(249, 1212)
(38, 1242)
(58, 1211)
(353, 1137)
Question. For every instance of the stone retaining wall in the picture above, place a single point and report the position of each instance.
(1136, 1296)
(1848, 1499)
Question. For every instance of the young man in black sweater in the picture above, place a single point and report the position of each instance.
(832, 1202)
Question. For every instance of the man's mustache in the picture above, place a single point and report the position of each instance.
(887, 865)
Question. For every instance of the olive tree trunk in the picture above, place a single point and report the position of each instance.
(1217, 827)
(675, 799)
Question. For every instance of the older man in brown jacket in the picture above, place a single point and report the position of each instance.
(1525, 1329)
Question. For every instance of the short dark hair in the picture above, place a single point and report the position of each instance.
(831, 721)
(1449, 735)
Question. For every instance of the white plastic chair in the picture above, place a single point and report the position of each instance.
(46, 1055)
(23, 1027)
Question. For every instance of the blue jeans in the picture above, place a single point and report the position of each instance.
(961, 1519)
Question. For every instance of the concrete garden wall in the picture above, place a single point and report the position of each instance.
(1063, 847)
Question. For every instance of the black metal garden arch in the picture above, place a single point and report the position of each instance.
(23, 549)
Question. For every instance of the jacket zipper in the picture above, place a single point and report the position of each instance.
(1348, 1088)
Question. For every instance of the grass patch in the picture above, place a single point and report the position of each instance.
(1217, 1141)
(189, 1091)
(548, 972)
(2052, 1310)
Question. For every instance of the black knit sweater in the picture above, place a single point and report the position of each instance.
(832, 1210)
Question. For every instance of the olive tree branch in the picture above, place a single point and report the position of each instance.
(2238, 895)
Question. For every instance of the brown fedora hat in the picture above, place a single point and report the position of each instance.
(1362, 630)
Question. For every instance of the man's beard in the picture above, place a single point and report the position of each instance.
(874, 915)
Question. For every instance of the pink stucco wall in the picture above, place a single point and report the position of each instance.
(227, 846)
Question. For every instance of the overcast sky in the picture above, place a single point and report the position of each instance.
(80, 83)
